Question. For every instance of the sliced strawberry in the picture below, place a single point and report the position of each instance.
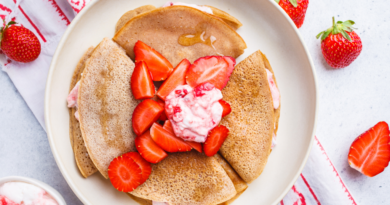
(145, 114)
(125, 174)
(167, 140)
(148, 149)
(163, 116)
(370, 152)
(168, 126)
(226, 108)
(178, 77)
(215, 140)
(212, 69)
(232, 62)
(159, 67)
(141, 82)
(146, 169)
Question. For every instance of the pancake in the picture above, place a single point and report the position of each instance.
(227, 18)
(189, 178)
(184, 24)
(253, 118)
(106, 104)
(83, 161)
(130, 14)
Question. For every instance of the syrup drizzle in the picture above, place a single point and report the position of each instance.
(198, 37)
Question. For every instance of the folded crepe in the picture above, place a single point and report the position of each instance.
(179, 32)
(189, 178)
(253, 119)
(224, 16)
(83, 161)
(106, 105)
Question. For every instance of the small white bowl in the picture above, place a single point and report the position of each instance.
(50, 190)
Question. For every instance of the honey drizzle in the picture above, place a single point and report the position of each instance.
(198, 37)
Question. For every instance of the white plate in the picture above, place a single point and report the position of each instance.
(265, 27)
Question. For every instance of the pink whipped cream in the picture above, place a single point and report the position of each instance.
(20, 193)
(202, 8)
(72, 99)
(194, 112)
(274, 89)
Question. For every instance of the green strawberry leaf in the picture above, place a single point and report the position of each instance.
(320, 34)
(326, 34)
(11, 22)
(277, 1)
(345, 34)
(294, 3)
(348, 23)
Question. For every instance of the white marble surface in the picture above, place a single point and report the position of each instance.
(351, 100)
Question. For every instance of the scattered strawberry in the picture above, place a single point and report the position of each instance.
(125, 174)
(144, 165)
(197, 146)
(215, 140)
(212, 69)
(163, 116)
(226, 108)
(370, 152)
(296, 9)
(231, 62)
(148, 149)
(340, 45)
(145, 114)
(159, 67)
(19, 43)
(141, 83)
(178, 77)
(167, 140)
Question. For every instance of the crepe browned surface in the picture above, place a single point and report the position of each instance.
(130, 14)
(251, 122)
(161, 29)
(106, 104)
(83, 161)
(187, 178)
(226, 17)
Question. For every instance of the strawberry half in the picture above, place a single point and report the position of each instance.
(144, 165)
(178, 77)
(145, 114)
(141, 82)
(168, 126)
(215, 140)
(148, 149)
(159, 67)
(163, 116)
(231, 62)
(226, 108)
(212, 69)
(370, 152)
(167, 140)
(125, 174)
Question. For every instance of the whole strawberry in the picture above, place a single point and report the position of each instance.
(340, 45)
(19, 43)
(296, 9)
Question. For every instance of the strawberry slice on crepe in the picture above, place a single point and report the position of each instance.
(148, 149)
(226, 108)
(163, 116)
(159, 67)
(168, 126)
(144, 165)
(125, 174)
(215, 140)
(167, 140)
(141, 82)
(145, 114)
(178, 77)
(370, 152)
(212, 69)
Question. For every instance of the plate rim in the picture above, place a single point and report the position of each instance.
(69, 29)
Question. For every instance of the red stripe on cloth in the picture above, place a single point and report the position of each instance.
(335, 171)
(60, 12)
(4, 8)
(281, 202)
(311, 190)
(300, 195)
(29, 20)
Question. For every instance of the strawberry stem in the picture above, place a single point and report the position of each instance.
(339, 27)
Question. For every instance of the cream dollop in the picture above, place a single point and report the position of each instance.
(21, 193)
(274, 90)
(72, 99)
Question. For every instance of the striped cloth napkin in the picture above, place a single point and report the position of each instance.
(319, 183)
